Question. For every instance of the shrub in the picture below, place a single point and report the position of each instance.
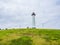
(25, 40)
(1, 39)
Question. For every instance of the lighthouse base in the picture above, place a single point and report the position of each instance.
(33, 27)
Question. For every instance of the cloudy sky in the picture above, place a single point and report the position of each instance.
(17, 13)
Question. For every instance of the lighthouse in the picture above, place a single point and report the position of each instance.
(33, 20)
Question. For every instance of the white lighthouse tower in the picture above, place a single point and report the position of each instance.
(33, 20)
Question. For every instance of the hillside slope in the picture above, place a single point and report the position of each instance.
(30, 37)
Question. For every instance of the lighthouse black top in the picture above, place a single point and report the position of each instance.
(33, 14)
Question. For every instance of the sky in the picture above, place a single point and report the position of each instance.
(17, 13)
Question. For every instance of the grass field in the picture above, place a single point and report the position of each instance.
(30, 37)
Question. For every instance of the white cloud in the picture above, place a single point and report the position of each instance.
(19, 12)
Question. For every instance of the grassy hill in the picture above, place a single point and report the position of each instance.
(30, 37)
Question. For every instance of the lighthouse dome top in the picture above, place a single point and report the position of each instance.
(33, 14)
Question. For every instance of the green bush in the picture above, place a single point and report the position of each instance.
(25, 40)
(1, 39)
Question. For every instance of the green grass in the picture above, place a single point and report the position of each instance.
(38, 36)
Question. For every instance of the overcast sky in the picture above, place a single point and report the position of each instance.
(17, 13)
